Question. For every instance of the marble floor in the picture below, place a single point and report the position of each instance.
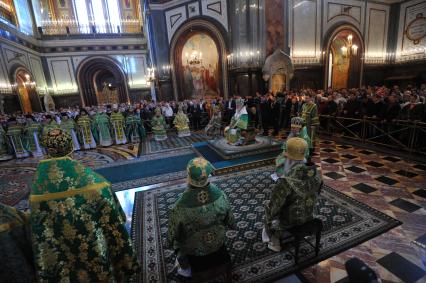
(387, 183)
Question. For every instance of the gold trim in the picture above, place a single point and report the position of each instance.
(70, 193)
(5, 227)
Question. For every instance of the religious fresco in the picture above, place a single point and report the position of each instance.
(200, 67)
(274, 25)
(341, 64)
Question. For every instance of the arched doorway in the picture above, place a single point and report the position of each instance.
(26, 90)
(343, 58)
(198, 57)
(102, 81)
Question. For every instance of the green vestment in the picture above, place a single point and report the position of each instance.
(238, 123)
(117, 122)
(78, 226)
(15, 134)
(85, 132)
(135, 131)
(5, 147)
(181, 123)
(69, 126)
(158, 127)
(310, 115)
(101, 123)
(32, 132)
(293, 198)
(198, 221)
(16, 258)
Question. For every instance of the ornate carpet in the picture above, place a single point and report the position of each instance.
(347, 223)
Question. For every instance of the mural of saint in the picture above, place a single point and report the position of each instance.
(200, 67)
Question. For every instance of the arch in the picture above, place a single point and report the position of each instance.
(329, 37)
(201, 25)
(27, 96)
(90, 67)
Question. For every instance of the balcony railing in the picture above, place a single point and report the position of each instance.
(75, 28)
(400, 135)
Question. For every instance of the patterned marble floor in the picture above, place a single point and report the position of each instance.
(392, 185)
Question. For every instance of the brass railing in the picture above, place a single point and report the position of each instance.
(409, 136)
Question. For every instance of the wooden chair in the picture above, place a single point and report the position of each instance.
(212, 266)
(313, 227)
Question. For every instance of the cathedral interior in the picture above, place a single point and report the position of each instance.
(213, 141)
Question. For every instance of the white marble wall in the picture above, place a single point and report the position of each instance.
(13, 55)
(312, 21)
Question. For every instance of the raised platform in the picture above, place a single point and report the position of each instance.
(228, 158)
(227, 151)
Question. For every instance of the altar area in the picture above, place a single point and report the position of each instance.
(227, 158)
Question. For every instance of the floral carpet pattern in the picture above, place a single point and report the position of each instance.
(347, 222)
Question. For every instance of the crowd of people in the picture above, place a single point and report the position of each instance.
(77, 229)
(120, 124)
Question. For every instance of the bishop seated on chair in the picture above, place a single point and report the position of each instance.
(240, 132)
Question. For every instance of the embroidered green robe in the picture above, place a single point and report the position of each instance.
(135, 131)
(117, 122)
(32, 133)
(181, 122)
(78, 226)
(102, 124)
(16, 258)
(85, 132)
(15, 134)
(198, 221)
(293, 199)
(69, 126)
(5, 147)
(158, 127)
(238, 122)
(310, 115)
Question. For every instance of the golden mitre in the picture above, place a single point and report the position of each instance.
(296, 148)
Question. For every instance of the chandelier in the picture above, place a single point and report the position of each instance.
(353, 48)
(195, 58)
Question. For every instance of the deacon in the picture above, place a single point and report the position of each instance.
(85, 134)
(200, 217)
(297, 130)
(5, 148)
(69, 126)
(293, 197)
(135, 130)
(215, 123)
(181, 122)
(102, 124)
(117, 122)
(77, 225)
(158, 125)
(32, 132)
(239, 122)
(310, 115)
(15, 134)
